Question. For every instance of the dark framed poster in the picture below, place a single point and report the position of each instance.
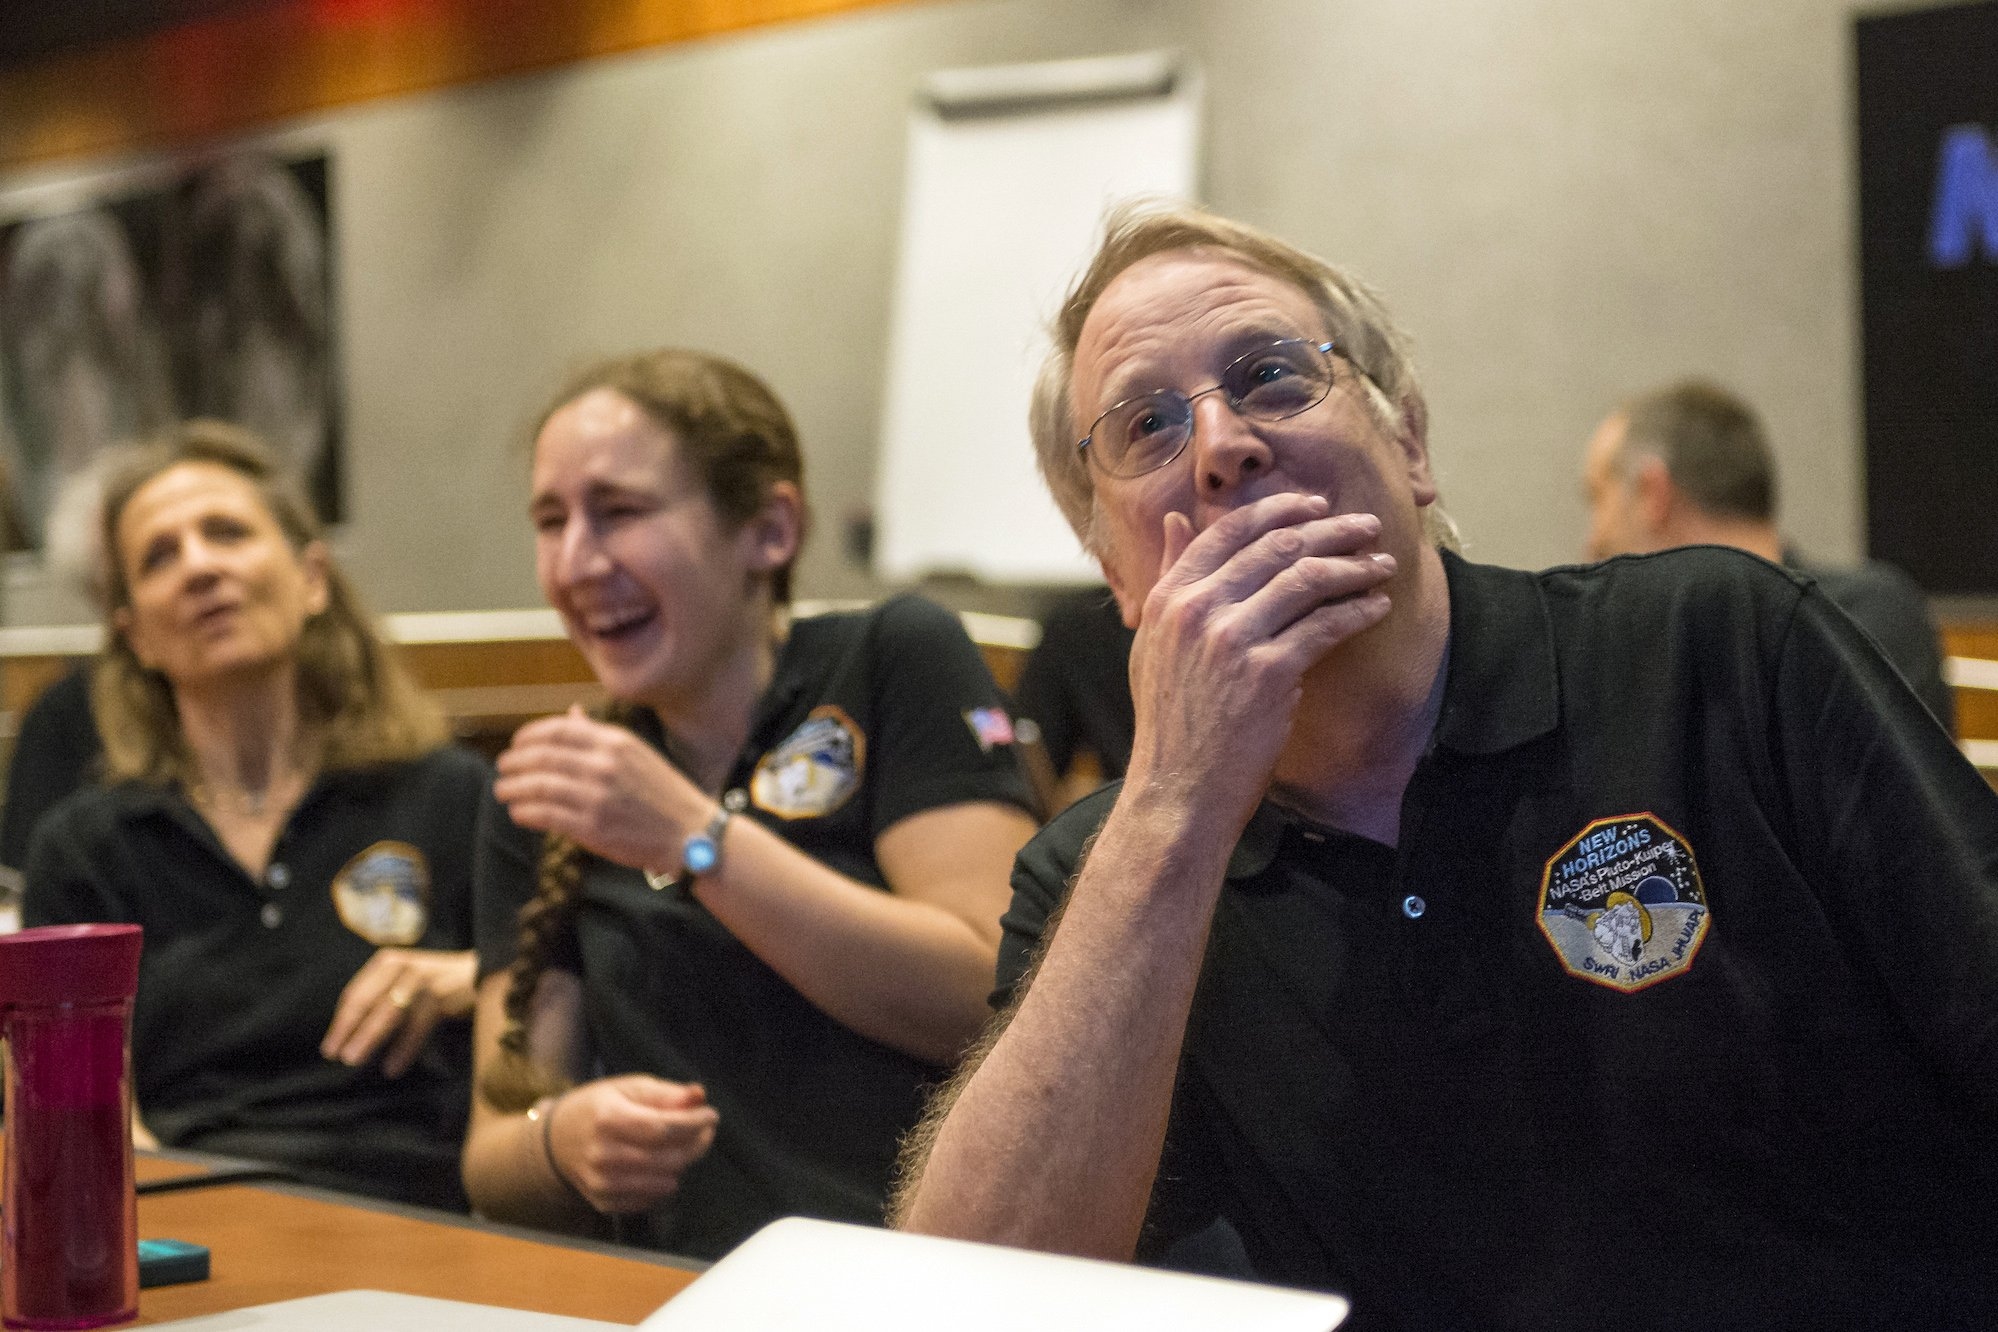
(1928, 241)
(205, 291)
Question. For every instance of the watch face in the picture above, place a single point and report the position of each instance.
(700, 854)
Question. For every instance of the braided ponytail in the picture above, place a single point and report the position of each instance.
(514, 1081)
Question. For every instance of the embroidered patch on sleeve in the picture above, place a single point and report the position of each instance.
(990, 727)
(383, 894)
(1622, 903)
(814, 770)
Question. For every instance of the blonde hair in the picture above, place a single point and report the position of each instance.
(355, 698)
(1355, 318)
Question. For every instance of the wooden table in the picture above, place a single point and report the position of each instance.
(278, 1242)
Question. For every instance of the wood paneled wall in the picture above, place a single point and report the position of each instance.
(229, 74)
(1976, 709)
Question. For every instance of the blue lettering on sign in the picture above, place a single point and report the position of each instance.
(1966, 203)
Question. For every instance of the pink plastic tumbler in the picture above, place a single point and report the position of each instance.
(69, 1253)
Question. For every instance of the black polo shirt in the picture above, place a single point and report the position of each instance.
(1676, 1006)
(869, 718)
(55, 752)
(240, 977)
(1076, 684)
(1887, 604)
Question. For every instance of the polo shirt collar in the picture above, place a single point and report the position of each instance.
(1257, 846)
(788, 680)
(136, 798)
(1500, 687)
(141, 800)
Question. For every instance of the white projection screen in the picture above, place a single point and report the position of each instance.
(1010, 172)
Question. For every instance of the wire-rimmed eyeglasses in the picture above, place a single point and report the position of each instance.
(1274, 381)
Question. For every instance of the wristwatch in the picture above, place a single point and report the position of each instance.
(701, 852)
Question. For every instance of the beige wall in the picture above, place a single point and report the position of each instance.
(1566, 200)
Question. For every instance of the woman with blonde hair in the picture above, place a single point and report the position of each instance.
(728, 937)
(282, 814)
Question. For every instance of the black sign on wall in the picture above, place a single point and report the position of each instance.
(1928, 233)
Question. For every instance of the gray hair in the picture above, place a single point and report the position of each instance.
(1355, 318)
(1711, 443)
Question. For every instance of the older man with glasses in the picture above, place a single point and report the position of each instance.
(1607, 945)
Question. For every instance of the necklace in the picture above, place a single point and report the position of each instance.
(252, 802)
(244, 801)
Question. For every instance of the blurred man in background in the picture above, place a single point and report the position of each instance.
(1689, 465)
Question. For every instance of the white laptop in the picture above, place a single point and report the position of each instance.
(797, 1275)
(383, 1311)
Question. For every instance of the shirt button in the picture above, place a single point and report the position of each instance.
(278, 876)
(1413, 907)
(273, 915)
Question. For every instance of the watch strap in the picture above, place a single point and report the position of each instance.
(701, 852)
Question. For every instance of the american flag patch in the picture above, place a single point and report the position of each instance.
(989, 726)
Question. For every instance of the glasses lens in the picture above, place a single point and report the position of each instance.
(1141, 434)
(1279, 380)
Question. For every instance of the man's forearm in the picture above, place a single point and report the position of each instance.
(1053, 1140)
